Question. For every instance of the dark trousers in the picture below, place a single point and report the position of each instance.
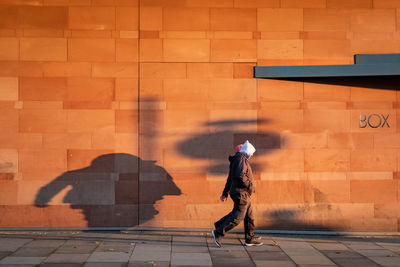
(242, 210)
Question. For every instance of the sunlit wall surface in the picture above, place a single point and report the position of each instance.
(123, 113)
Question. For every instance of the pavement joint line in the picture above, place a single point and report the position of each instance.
(355, 251)
(251, 258)
(276, 243)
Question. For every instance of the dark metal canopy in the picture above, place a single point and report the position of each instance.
(365, 65)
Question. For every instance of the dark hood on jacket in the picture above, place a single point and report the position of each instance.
(237, 155)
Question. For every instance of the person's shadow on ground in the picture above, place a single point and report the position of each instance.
(109, 191)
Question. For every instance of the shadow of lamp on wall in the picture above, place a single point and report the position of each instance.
(218, 144)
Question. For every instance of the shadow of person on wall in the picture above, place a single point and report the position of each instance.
(109, 191)
(291, 219)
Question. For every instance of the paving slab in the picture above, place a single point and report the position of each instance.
(201, 240)
(189, 249)
(33, 252)
(182, 244)
(329, 246)
(229, 254)
(45, 243)
(386, 261)
(109, 257)
(317, 260)
(105, 264)
(147, 237)
(151, 252)
(341, 254)
(376, 252)
(74, 242)
(148, 264)
(111, 246)
(22, 260)
(186, 244)
(354, 262)
(269, 256)
(12, 244)
(75, 249)
(274, 263)
(299, 244)
(302, 252)
(151, 256)
(360, 245)
(19, 265)
(67, 258)
(264, 248)
(391, 246)
(191, 259)
(231, 263)
(58, 265)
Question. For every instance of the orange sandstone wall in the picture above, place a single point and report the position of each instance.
(123, 113)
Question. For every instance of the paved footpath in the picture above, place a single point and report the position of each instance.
(168, 248)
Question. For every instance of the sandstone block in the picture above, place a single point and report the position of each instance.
(163, 70)
(127, 18)
(127, 50)
(42, 89)
(97, 50)
(373, 160)
(8, 89)
(280, 49)
(303, 4)
(151, 50)
(327, 120)
(370, 191)
(209, 70)
(374, 20)
(346, 4)
(9, 49)
(279, 19)
(256, 3)
(91, 18)
(126, 121)
(42, 121)
(151, 18)
(233, 90)
(332, 19)
(237, 19)
(233, 50)
(34, 17)
(328, 160)
(273, 90)
(181, 19)
(186, 50)
(87, 121)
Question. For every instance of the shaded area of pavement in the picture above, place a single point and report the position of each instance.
(180, 248)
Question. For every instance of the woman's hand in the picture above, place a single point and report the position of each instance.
(223, 198)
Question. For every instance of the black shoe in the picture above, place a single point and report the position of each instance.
(253, 242)
(217, 239)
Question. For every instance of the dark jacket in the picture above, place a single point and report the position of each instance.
(240, 178)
